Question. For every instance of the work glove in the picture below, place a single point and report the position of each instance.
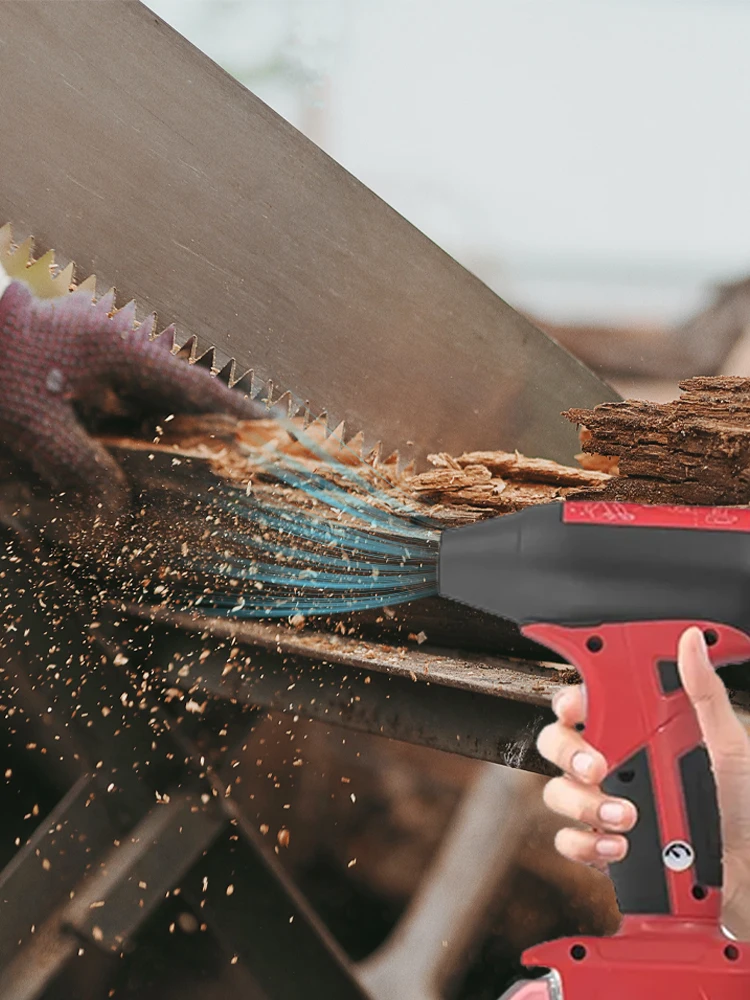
(67, 357)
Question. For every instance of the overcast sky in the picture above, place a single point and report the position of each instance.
(588, 159)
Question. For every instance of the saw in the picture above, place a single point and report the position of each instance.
(153, 169)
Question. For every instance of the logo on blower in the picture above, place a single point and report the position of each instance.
(678, 855)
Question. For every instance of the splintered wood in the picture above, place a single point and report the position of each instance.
(695, 450)
(456, 489)
(484, 482)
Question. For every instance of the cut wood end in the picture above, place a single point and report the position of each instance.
(608, 465)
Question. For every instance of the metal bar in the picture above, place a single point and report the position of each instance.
(44, 871)
(476, 723)
(433, 942)
(506, 678)
(30, 971)
(264, 921)
(132, 880)
(140, 751)
(501, 678)
(102, 892)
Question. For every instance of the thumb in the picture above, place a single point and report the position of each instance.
(723, 733)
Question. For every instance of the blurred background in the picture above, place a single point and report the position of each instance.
(587, 160)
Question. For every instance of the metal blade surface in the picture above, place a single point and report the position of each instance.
(135, 155)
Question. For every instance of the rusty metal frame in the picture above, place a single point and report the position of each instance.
(489, 708)
(121, 837)
(170, 821)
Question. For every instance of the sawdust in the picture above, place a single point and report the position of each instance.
(499, 481)
(536, 470)
(456, 490)
(695, 450)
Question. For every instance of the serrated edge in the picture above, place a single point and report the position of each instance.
(48, 281)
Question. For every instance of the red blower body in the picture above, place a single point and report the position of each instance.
(611, 587)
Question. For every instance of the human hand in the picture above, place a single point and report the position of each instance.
(577, 795)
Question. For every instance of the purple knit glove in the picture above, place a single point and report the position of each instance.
(55, 353)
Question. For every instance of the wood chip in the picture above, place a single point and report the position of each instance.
(514, 465)
(448, 480)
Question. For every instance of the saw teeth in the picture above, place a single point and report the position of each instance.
(46, 280)
(19, 259)
(287, 404)
(337, 435)
(226, 374)
(166, 338)
(87, 285)
(337, 438)
(245, 383)
(357, 443)
(64, 279)
(42, 275)
(264, 393)
(187, 351)
(319, 423)
(44, 263)
(106, 304)
(145, 330)
(207, 360)
(308, 419)
(126, 316)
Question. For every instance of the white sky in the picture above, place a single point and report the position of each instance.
(588, 159)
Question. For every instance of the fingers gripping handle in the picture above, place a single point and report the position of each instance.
(641, 720)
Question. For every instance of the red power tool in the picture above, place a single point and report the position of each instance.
(611, 587)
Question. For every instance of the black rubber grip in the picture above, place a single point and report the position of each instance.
(699, 789)
(640, 878)
(669, 676)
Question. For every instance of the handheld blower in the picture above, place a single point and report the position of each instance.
(608, 586)
(611, 587)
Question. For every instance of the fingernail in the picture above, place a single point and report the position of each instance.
(705, 657)
(582, 763)
(701, 647)
(612, 812)
(608, 847)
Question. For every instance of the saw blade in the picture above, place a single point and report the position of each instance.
(47, 280)
(151, 167)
